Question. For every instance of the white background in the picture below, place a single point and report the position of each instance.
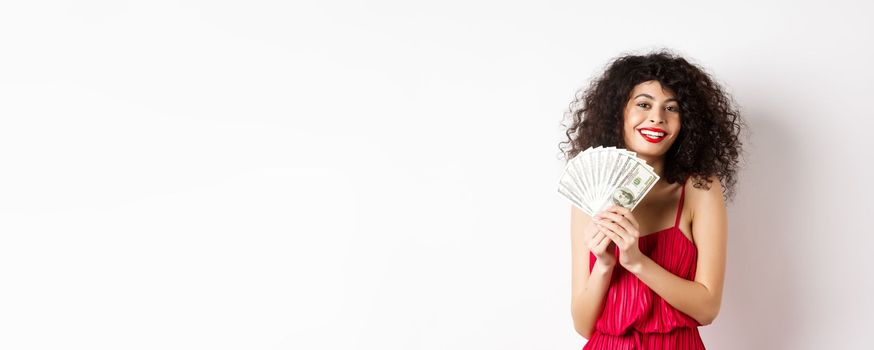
(383, 175)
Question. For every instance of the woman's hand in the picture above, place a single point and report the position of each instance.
(620, 226)
(600, 245)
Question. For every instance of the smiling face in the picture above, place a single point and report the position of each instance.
(652, 120)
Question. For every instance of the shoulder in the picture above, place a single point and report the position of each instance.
(704, 194)
(703, 183)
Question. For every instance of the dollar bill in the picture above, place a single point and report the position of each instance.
(631, 190)
(600, 176)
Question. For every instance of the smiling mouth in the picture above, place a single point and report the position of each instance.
(652, 135)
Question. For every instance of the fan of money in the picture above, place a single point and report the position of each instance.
(601, 176)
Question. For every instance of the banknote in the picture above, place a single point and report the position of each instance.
(601, 176)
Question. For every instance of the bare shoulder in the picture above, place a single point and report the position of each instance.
(704, 194)
(707, 211)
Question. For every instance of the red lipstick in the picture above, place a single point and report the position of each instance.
(650, 137)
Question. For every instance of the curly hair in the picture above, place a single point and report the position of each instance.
(708, 143)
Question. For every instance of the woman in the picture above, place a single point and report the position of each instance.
(647, 279)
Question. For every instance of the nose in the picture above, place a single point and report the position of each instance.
(656, 117)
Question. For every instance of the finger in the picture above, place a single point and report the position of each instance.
(615, 237)
(628, 221)
(621, 221)
(626, 213)
(601, 248)
(616, 228)
(596, 239)
(605, 241)
(601, 240)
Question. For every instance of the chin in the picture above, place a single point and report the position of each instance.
(650, 150)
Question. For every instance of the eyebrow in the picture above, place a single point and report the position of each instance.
(651, 98)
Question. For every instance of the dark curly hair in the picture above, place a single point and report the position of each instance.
(708, 142)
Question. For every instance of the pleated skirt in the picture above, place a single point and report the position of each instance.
(682, 338)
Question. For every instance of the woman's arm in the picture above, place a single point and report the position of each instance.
(702, 297)
(588, 290)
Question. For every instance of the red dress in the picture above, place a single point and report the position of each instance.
(634, 316)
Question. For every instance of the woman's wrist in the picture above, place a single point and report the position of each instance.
(604, 265)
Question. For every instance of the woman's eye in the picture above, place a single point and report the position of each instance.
(643, 105)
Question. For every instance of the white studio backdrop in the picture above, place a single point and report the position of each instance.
(382, 175)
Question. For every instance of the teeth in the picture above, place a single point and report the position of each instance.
(652, 133)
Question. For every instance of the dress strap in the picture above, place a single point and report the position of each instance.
(680, 206)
